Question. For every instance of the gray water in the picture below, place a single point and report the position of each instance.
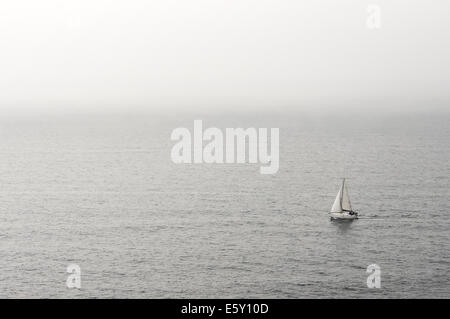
(101, 191)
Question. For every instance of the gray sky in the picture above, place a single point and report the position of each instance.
(94, 54)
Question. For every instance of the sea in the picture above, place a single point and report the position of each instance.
(100, 191)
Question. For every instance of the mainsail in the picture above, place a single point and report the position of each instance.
(342, 201)
(345, 198)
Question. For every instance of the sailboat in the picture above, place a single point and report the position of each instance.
(342, 208)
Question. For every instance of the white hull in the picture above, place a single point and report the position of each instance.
(343, 215)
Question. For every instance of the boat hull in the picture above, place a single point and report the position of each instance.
(343, 215)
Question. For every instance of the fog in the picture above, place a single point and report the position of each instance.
(227, 54)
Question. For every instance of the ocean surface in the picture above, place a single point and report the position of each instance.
(101, 191)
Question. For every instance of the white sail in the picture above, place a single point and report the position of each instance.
(337, 208)
(345, 198)
(342, 209)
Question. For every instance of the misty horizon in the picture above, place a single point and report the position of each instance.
(214, 55)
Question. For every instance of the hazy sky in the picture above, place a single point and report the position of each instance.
(223, 53)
